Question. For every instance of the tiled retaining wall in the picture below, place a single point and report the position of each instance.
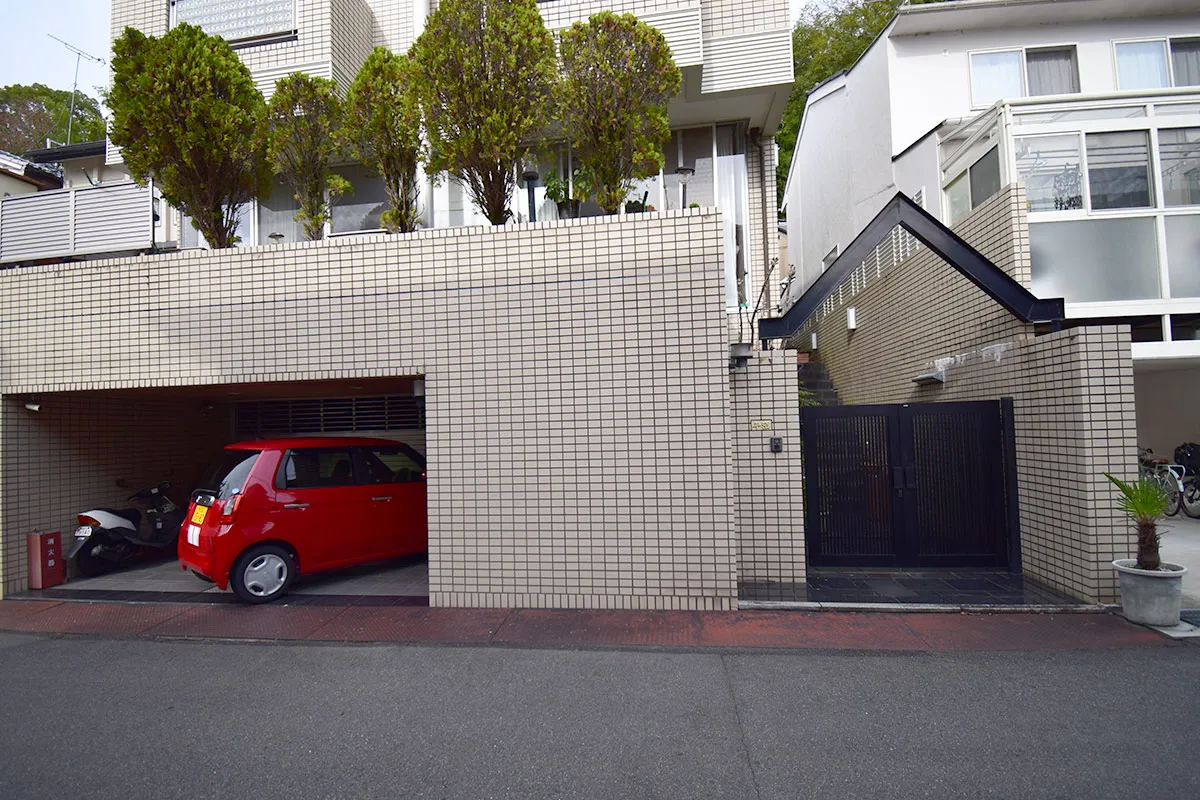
(1072, 390)
(577, 384)
(768, 506)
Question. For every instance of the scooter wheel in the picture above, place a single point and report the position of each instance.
(91, 566)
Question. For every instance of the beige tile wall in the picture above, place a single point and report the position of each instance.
(1072, 390)
(577, 384)
(768, 502)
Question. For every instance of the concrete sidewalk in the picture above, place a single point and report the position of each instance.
(783, 630)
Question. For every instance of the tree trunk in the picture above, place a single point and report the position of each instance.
(1147, 546)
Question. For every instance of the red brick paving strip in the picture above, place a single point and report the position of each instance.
(761, 629)
(247, 622)
(412, 624)
(108, 619)
(808, 629)
(647, 628)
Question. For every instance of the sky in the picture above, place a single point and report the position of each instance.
(29, 55)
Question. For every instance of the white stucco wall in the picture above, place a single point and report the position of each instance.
(917, 169)
(931, 79)
(11, 187)
(843, 167)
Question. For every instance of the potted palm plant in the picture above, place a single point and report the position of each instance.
(1150, 589)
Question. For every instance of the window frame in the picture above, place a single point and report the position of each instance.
(1024, 51)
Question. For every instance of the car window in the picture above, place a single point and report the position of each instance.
(399, 464)
(227, 476)
(314, 467)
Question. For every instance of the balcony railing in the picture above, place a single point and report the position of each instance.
(112, 218)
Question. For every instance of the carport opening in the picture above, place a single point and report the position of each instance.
(88, 450)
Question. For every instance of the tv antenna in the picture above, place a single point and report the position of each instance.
(79, 55)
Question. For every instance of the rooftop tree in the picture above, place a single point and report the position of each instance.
(383, 129)
(487, 74)
(187, 115)
(303, 124)
(618, 76)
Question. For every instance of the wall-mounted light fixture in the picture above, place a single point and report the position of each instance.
(851, 318)
(33, 406)
(419, 387)
(813, 343)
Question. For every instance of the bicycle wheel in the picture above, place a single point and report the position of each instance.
(1174, 497)
(1191, 498)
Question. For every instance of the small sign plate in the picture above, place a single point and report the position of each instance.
(761, 425)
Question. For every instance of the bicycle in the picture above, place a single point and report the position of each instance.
(1171, 478)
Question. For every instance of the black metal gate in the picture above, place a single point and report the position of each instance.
(913, 485)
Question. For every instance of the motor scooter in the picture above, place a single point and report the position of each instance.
(109, 538)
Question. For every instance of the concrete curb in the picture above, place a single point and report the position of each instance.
(924, 608)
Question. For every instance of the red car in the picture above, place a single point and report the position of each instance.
(274, 508)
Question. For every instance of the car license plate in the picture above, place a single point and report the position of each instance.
(199, 514)
(193, 535)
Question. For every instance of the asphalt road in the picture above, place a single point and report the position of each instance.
(92, 718)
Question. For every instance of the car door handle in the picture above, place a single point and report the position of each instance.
(295, 505)
(389, 497)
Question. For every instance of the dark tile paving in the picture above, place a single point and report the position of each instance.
(923, 587)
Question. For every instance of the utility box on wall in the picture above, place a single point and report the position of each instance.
(45, 560)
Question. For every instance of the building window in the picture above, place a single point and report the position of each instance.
(277, 215)
(1119, 170)
(234, 20)
(973, 186)
(1021, 73)
(1185, 61)
(1142, 65)
(1051, 167)
(361, 208)
(1179, 154)
(1158, 63)
(995, 76)
(1052, 71)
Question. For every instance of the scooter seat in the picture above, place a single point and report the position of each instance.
(131, 514)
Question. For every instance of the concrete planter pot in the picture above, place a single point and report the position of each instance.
(1150, 597)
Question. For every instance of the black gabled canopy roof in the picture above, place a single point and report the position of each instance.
(900, 210)
(65, 152)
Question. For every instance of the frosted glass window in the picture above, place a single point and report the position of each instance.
(1095, 260)
(958, 199)
(361, 208)
(1052, 71)
(238, 19)
(1142, 65)
(1119, 170)
(1179, 154)
(1185, 61)
(1183, 255)
(995, 76)
(277, 214)
(1051, 168)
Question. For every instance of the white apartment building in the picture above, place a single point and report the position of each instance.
(1093, 105)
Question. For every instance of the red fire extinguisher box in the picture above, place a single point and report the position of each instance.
(45, 560)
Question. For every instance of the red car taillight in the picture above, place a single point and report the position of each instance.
(229, 508)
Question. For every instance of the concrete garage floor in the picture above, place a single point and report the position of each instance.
(395, 582)
(1180, 544)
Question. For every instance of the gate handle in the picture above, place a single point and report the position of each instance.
(897, 477)
(910, 476)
